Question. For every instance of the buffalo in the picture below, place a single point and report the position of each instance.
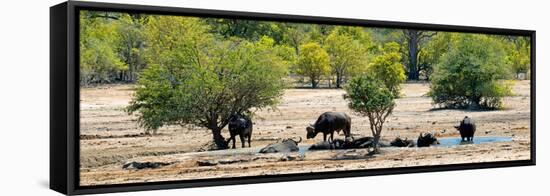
(329, 122)
(242, 126)
(287, 145)
(426, 140)
(398, 142)
(467, 128)
(363, 142)
(330, 145)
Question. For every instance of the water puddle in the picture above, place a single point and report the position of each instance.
(444, 142)
(453, 141)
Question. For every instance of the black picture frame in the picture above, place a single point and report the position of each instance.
(64, 97)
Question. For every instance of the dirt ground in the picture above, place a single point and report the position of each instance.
(110, 138)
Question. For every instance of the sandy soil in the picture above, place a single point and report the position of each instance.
(110, 137)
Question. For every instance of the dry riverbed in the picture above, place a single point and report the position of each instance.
(111, 139)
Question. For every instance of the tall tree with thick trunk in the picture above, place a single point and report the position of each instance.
(414, 38)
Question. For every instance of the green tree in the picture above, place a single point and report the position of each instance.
(313, 62)
(346, 53)
(433, 51)
(131, 46)
(201, 80)
(470, 74)
(99, 60)
(296, 35)
(369, 97)
(415, 40)
(387, 68)
(519, 55)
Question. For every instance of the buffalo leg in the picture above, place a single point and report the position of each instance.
(249, 141)
(242, 140)
(324, 137)
(233, 138)
(332, 137)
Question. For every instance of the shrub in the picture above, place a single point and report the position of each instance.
(471, 75)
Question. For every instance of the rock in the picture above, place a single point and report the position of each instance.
(292, 157)
(207, 162)
(144, 165)
(231, 161)
(352, 154)
(208, 146)
(289, 127)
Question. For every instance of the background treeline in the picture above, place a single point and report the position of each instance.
(117, 47)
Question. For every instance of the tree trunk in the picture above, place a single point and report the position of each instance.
(413, 54)
(313, 83)
(218, 139)
(338, 80)
(376, 143)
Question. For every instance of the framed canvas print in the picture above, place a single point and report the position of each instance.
(148, 97)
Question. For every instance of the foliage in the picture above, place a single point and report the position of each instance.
(131, 45)
(313, 62)
(470, 74)
(369, 97)
(519, 55)
(433, 51)
(346, 53)
(201, 80)
(387, 68)
(99, 60)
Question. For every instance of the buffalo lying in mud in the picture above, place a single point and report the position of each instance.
(426, 140)
(398, 142)
(287, 145)
(327, 145)
(328, 123)
(467, 128)
(363, 142)
(241, 126)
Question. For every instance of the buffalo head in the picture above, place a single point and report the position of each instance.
(425, 140)
(291, 140)
(311, 133)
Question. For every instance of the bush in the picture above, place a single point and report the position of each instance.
(371, 98)
(471, 75)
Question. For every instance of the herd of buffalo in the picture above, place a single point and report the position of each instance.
(330, 122)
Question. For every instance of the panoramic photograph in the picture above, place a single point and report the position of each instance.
(172, 98)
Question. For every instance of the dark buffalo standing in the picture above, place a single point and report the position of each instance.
(426, 140)
(467, 128)
(242, 126)
(329, 122)
(287, 145)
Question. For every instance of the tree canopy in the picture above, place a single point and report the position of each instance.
(369, 97)
(313, 62)
(202, 80)
(387, 68)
